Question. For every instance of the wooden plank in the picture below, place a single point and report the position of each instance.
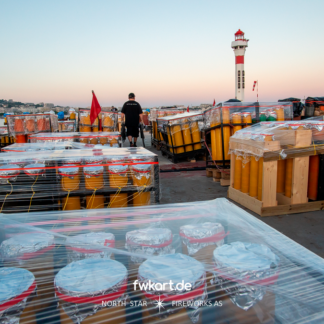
(245, 200)
(292, 209)
(236, 143)
(232, 169)
(269, 184)
(303, 138)
(300, 180)
(216, 179)
(226, 174)
(216, 174)
(225, 182)
(283, 200)
(209, 173)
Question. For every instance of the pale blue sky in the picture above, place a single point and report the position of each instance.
(165, 51)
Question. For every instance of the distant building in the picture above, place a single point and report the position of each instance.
(48, 105)
(29, 104)
(10, 100)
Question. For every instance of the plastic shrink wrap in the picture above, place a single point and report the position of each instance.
(181, 133)
(107, 119)
(112, 139)
(200, 262)
(279, 163)
(67, 126)
(84, 176)
(226, 118)
(21, 126)
(156, 113)
(5, 139)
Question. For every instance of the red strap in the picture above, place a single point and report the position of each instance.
(93, 300)
(166, 243)
(68, 175)
(112, 242)
(19, 298)
(93, 175)
(32, 255)
(118, 172)
(266, 281)
(34, 173)
(139, 171)
(189, 295)
(11, 176)
(214, 238)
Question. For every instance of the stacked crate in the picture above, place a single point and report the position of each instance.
(226, 118)
(156, 113)
(69, 179)
(278, 168)
(23, 126)
(180, 135)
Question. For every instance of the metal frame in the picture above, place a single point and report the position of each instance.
(165, 147)
(225, 164)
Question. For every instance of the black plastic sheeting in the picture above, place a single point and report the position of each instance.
(298, 106)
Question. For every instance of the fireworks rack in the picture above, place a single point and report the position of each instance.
(107, 121)
(155, 113)
(42, 191)
(177, 135)
(277, 292)
(214, 120)
(288, 162)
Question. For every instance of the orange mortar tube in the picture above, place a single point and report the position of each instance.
(288, 177)
(226, 131)
(280, 114)
(237, 172)
(260, 178)
(314, 168)
(195, 133)
(254, 172)
(187, 135)
(245, 183)
(281, 176)
(247, 119)
(178, 140)
(236, 119)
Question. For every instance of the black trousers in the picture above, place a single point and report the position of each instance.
(133, 131)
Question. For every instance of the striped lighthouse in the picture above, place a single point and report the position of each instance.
(239, 46)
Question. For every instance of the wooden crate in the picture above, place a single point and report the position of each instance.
(219, 175)
(273, 203)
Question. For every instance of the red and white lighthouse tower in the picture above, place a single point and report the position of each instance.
(239, 46)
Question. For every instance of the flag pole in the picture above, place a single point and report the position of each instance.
(257, 90)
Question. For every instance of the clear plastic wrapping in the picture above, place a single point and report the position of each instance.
(156, 113)
(31, 124)
(246, 113)
(67, 126)
(180, 133)
(257, 275)
(82, 177)
(280, 138)
(224, 120)
(112, 139)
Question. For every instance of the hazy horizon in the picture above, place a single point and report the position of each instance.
(170, 52)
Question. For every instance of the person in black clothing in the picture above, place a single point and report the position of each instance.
(133, 113)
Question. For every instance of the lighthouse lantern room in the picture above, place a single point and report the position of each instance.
(239, 46)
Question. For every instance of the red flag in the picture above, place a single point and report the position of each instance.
(95, 108)
(188, 109)
(214, 103)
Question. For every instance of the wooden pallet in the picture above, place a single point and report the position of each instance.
(273, 203)
(256, 205)
(219, 175)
